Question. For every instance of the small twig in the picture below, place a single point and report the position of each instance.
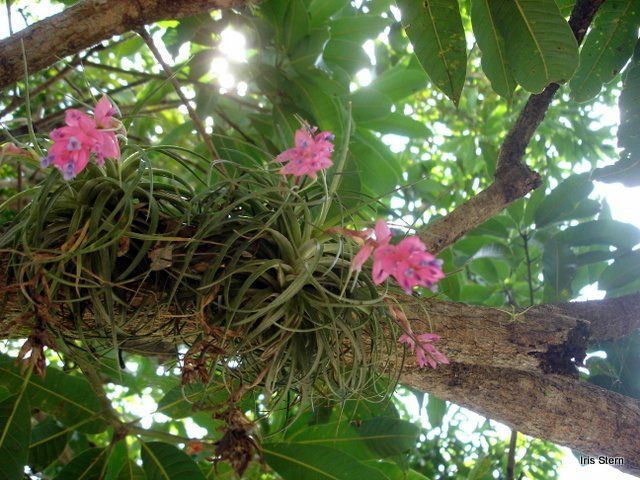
(525, 238)
(176, 86)
(511, 460)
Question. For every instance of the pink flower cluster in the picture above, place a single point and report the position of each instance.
(426, 353)
(82, 136)
(408, 261)
(311, 154)
(421, 344)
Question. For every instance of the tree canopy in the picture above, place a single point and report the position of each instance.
(192, 285)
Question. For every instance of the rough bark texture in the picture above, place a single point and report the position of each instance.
(608, 319)
(85, 24)
(541, 339)
(568, 412)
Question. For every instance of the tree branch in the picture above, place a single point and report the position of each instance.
(608, 319)
(87, 23)
(569, 412)
(513, 178)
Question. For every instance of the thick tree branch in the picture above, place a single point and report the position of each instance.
(569, 412)
(513, 178)
(608, 319)
(518, 367)
(87, 23)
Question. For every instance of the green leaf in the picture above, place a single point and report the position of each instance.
(559, 269)
(378, 167)
(607, 47)
(321, 10)
(627, 169)
(162, 461)
(316, 462)
(380, 437)
(622, 271)
(131, 471)
(88, 465)
(4, 393)
(539, 43)
(358, 28)
(393, 472)
(491, 43)
(15, 433)
(309, 50)
(296, 24)
(562, 200)
(436, 33)
(67, 397)
(601, 232)
(400, 82)
(346, 54)
(399, 124)
(481, 469)
(48, 440)
(436, 410)
(369, 105)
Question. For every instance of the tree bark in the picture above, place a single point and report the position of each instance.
(565, 411)
(85, 24)
(517, 367)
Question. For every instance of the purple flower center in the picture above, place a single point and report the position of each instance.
(74, 144)
(46, 160)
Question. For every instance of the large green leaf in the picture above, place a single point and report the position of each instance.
(321, 10)
(627, 169)
(131, 471)
(48, 440)
(436, 409)
(539, 43)
(378, 168)
(89, 465)
(562, 201)
(296, 23)
(399, 124)
(436, 33)
(559, 270)
(67, 397)
(380, 437)
(369, 105)
(358, 28)
(622, 271)
(162, 461)
(15, 433)
(494, 55)
(294, 461)
(345, 54)
(393, 472)
(607, 47)
(601, 232)
(400, 82)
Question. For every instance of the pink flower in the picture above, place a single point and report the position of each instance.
(311, 154)
(383, 236)
(82, 136)
(426, 353)
(408, 262)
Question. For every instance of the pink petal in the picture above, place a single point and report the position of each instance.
(363, 254)
(383, 232)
